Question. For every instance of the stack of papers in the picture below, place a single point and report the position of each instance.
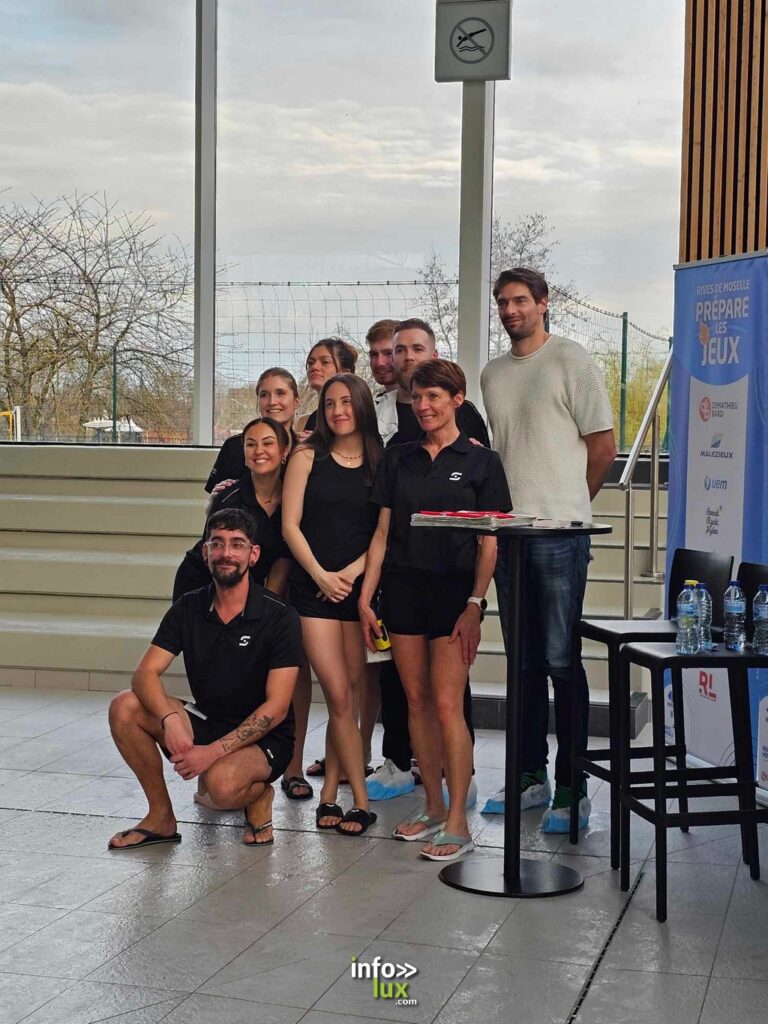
(485, 520)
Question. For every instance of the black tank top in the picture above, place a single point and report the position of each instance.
(338, 519)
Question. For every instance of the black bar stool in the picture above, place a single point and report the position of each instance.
(682, 783)
(603, 762)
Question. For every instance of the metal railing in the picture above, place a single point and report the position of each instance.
(650, 419)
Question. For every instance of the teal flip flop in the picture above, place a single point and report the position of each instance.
(465, 846)
(431, 825)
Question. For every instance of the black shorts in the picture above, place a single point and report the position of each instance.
(416, 603)
(302, 595)
(277, 746)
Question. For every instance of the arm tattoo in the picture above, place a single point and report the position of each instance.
(253, 728)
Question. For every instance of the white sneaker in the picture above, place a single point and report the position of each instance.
(471, 794)
(388, 782)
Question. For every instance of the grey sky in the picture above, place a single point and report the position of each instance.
(339, 154)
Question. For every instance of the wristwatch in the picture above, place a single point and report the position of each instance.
(481, 603)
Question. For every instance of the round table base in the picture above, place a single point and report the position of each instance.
(486, 877)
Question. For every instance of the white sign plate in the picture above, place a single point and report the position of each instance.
(473, 40)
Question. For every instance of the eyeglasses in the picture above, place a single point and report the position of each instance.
(236, 545)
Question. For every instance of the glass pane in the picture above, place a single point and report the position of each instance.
(338, 163)
(97, 219)
(587, 176)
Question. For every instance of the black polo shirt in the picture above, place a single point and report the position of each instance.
(464, 476)
(227, 665)
(229, 464)
(468, 420)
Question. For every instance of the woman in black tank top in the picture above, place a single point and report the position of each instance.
(328, 522)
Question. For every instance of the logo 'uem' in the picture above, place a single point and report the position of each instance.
(713, 484)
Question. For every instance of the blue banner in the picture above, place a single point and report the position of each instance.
(718, 469)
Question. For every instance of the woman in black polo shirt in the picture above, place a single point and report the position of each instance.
(266, 445)
(328, 521)
(278, 396)
(433, 586)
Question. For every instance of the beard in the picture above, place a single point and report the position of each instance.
(227, 576)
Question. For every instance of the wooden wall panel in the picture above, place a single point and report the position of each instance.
(724, 180)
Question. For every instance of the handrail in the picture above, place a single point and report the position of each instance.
(625, 484)
(650, 412)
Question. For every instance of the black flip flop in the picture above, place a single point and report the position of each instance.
(150, 839)
(294, 782)
(327, 811)
(317, 769)
(359, 817)
(256, 830)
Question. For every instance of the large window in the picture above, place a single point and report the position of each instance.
(96, 223)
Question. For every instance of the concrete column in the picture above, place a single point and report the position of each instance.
(475, 229)
(205, 223)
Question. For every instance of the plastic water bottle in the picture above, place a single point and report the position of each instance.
(760, 618)
(735, 617)
(705, 617)
(687, 641)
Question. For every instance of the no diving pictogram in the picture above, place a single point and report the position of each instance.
(472, 40)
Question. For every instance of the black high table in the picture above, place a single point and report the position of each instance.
(512, 876)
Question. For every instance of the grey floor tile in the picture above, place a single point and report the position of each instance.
(74, 945)
(636, 997)
(685, 943)
(570, 928)
(320, 1017)
(288, 966)
(99, 757)
(202, 1009)
(725, 850)
(177, 956)
(730, 1001)
(21, 994)
(447, 917)
(699, 889)
(163, 889)
(35, 789)
(38, 752)
(88, 1002)
(262, 894)
(500, 989)
(37, 723)
(20, 874)
(17, 921)
(96, 796)
(743, 949)
(440, 971)
(81, 883)
(88, 728)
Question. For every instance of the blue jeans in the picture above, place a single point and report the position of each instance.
(555, 581)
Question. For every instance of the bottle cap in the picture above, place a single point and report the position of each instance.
(691, 583)
(734, 583)
(703, 586)
(763, 586)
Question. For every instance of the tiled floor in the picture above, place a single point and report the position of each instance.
(212, 932)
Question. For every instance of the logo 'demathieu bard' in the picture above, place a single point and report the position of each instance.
(383, 975)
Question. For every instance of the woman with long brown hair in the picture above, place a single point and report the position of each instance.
(327, 523)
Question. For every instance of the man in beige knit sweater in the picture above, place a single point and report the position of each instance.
(552, 424)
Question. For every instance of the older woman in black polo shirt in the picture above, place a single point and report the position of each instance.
(433, 586)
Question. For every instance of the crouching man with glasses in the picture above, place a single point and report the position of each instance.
(242, 653)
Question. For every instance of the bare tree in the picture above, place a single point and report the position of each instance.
(80, 283)
(527, 242)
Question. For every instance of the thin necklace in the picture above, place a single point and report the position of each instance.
(347, 458)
